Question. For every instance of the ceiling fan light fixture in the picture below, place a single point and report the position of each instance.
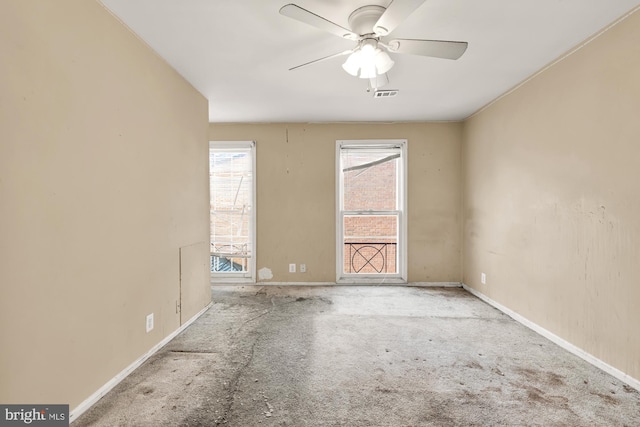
(383, 62)
(368, 60)
(369, 49)
(368, 71)
(352, 64)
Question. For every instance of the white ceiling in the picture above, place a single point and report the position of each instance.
(237, 54)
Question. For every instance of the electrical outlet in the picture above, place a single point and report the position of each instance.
(292, 268)
(303, 268)
(149, 322)
(483, 278)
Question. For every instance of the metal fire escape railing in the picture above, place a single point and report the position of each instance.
(370, 256)
(224, 257)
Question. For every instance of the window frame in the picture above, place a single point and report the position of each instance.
(230, 276)
(400, 277)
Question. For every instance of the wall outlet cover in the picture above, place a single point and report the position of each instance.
(149, 322)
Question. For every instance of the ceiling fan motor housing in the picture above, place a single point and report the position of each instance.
(363, 19)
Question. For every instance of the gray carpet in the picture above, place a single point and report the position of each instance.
(362, 356)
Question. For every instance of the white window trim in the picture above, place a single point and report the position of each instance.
(401, 276)
(240, 277)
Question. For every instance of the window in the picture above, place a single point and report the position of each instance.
(232, 197)
(371, 211)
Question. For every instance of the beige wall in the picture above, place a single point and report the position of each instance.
(296, 195)
(103, 178)
(552, 205)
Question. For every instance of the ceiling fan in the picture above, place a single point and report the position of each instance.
(369, 28)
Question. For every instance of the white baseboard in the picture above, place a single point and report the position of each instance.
(296, 283)
(267, 283)
(91, 400)
(436, 284)
(633, 382)
(346, 283)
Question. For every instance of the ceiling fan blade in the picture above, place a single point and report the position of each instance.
(346, 52)
(303, 15)
(397, 12)
(434, 48)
